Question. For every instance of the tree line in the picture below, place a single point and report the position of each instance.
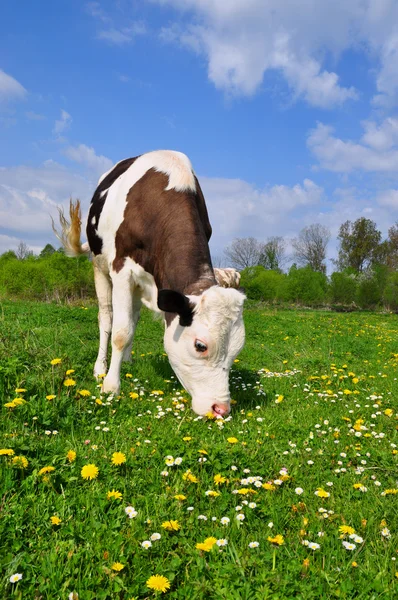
(365, 270)
(365, 275)
(360, 248)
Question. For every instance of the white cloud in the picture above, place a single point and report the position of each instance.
(381, 137)
(124, 35)
(63, 123)
(33, 116)
(29, 195)
(94, 9)
(10, 88)
(87, 157)
(113, 34)
(375, 153)
(389, 199)
(239, 209)
(243, 40)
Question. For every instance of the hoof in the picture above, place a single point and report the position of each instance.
(110, 387)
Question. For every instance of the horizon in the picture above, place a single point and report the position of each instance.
(288, 113)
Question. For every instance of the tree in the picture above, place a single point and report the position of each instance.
(273, 254)
(218, 261)
(392, 257)
(23, 251)
(244, 252)
(310, 247)
(359, 243)
(47, 251)
(9, 255)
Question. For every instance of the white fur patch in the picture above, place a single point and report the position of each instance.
(218, 323)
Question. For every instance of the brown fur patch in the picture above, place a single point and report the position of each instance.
(167, 233)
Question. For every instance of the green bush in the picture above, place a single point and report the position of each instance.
(369, 291)
(262, 284)
(390, 294)
(305, 286)
(343, 287)
(53, 277)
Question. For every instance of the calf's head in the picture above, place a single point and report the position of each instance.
(202, 342)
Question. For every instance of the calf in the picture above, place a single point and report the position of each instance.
(148, 231)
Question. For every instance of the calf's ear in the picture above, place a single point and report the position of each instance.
(173, 302)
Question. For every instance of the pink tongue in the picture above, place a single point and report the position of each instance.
(220, 410)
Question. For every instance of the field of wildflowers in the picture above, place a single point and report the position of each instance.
(295, 495)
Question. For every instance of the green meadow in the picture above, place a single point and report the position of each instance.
(292, 497)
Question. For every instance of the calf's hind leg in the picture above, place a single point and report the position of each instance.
(125, 301)
(103, 288)
(136, 315)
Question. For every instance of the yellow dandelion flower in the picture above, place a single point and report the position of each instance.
(187, 438)
(69, 382)
(6, 452)
(202, 451)
(210, 415)
(207, 545)
(56, 361)
(232, 440)
(118, 458)
(71, 455)
(278, 540)
(51, 397)
(55, 520)
(346, 530)
(89, 471)
(70, 371)
(269, 486)
(321, 493)
(389, 412)
(19, 401)
(46, 470)
(98, 401)
(219, 479)
(84, 393)
(114, 495)
(20, 462)
(180, 497)
(157, 392)
(171, 525)
(212, 493)
(10, 405)
(133, 395)
(279, 399)
(117, 566)
(159, 583)
(20, 390)
(246, 491)
(188, 476)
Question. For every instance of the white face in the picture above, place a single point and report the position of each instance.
(202, 354)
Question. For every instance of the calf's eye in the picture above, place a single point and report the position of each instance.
(200, 346)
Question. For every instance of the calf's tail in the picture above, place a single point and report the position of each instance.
(69, 236)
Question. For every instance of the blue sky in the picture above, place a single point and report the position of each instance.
(288, 111)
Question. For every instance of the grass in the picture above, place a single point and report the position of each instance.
(316, 409)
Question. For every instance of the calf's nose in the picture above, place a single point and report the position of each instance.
(220, 409)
